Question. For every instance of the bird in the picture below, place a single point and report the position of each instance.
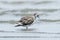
(27, 20)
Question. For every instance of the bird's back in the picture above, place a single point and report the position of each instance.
(27, 20)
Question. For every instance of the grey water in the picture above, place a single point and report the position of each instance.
(47, 27)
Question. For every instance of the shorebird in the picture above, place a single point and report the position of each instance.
(27, 20)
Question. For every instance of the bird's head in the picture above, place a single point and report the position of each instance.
(36, 15)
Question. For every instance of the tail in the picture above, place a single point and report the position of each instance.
(18, 25)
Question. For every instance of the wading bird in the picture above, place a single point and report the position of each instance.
(27, 20)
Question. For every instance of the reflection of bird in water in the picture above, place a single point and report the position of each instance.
(27, 20)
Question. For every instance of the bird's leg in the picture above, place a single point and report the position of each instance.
(26, 27)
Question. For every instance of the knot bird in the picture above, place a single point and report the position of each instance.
(27, 20)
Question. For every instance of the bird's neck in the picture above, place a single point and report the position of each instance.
(34, 17)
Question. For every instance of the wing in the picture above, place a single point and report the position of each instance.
(22, 19)
(29, 20)
(26, 20)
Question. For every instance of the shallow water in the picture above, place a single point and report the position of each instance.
(47, 27)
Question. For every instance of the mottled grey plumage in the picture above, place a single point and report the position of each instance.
(27, 20)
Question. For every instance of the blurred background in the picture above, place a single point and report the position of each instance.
(13, 10)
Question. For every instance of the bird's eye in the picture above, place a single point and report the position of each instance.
(37, 15)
